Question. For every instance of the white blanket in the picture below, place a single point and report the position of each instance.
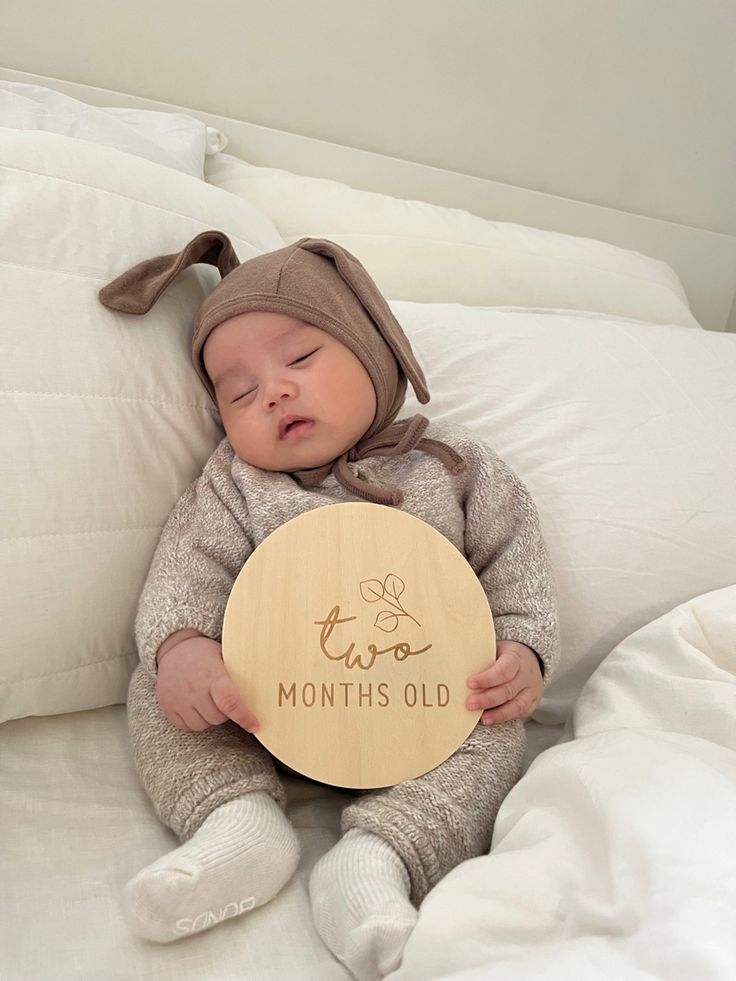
(614, 857)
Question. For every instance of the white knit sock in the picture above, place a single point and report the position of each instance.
(242, 855)
(360, 902)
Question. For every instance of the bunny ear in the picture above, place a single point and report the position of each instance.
(360, 282)
(139, 288)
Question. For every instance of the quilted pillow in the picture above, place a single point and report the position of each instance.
(103, 421)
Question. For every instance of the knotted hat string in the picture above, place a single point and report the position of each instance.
(396, 439)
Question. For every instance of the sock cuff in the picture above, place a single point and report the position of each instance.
(419, 857)
(213, 796)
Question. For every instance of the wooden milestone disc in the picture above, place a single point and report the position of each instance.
(350, 633)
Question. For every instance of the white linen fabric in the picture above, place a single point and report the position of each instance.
(174, 140)
(103, 421)
(76, 825)
(427, 253)
(613, 857)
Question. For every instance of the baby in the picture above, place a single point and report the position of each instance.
(308, 368)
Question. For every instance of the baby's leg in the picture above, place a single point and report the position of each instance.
(439, 820)
(219, 792)
(401, 841)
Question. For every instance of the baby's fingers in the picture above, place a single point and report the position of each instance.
(520, 706)
(493, 697)
(210, 713)
(227, 700)
(500, 672)
(195, 721)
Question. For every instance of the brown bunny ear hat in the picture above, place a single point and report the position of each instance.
(322, 284)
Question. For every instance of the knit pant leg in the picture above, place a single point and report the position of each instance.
(188, 774)
(447, 815)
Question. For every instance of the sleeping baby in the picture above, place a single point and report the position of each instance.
(308, 369)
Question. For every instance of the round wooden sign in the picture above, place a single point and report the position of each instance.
(350, 632)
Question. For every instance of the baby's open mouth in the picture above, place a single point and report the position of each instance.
(292, 426)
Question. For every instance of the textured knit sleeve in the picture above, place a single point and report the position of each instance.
(504, 546)
(202, 548)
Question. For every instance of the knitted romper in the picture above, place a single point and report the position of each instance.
(435, 821)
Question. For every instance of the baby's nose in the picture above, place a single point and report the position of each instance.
(279, 392)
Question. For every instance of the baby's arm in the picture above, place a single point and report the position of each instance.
(505, 548)
(204, 544)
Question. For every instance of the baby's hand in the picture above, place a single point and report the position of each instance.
(194, 689)
(511, 688)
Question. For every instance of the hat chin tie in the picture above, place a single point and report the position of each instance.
(395, 440)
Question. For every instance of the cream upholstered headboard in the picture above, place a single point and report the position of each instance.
(607, 121)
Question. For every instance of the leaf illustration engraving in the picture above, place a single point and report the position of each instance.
(387, 621)
(393, 586)
(371, 590)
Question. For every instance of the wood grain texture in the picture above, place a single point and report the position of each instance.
(351, 632)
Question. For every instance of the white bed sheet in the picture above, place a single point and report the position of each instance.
(75, 826)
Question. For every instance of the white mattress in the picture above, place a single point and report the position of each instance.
(75, 826)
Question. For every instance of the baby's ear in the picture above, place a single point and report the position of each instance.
(136, 290)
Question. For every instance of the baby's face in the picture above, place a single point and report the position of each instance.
(290, 395)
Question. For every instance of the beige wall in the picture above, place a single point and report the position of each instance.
(625, 103)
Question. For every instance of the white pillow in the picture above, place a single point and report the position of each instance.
(172, 139)
(420, 251)
(103, 421)
(625, 434)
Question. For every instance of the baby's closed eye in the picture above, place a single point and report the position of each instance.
(244, 395)
(303, 357)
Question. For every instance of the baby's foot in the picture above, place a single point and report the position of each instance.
(360, 902)
(240, 858)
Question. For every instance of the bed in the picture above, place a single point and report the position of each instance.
(588, 367)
